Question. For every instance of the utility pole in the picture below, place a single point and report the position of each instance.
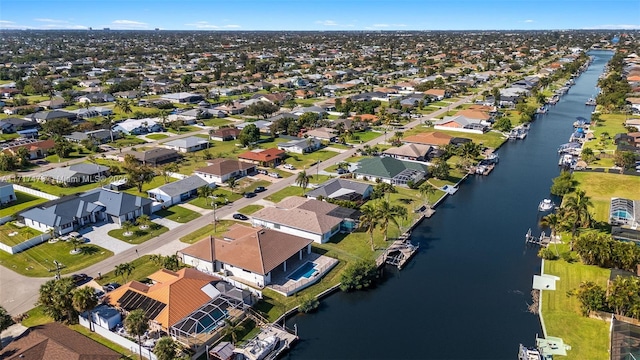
(57, 269)
(215, 220)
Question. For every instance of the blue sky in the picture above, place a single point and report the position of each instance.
(320, 15)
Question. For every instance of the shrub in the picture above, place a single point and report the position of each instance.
(357, 276)
(308, 304)
(547, 254)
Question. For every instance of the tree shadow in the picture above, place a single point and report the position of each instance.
(89, 250)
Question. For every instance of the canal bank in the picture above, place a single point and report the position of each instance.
(465, 295)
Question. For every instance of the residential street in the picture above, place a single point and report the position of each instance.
(19, 293)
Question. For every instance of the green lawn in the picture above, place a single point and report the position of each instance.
(286, 192)
(38, 260)
(157, 136)
(223, 197)
(588, 338)
(364, 136)
(184, 129)
(126, 354)
(139, 236)
(59, 190)
(22, 202)
(143, 267)
(252, 185)
(178, 213)
(300, 160)
(156, 182)
(601, 187)
(250, 209)
(217, 122)
(221, 227)
(319, 179)
(12, 235)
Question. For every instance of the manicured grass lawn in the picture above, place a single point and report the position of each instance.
(221, 227)
(319, 179)
(300, 160)
(601, 187)
(221, 194)
(12, 235)
(286, 192)
(36, 317)
(252, 185)
(184, 129)
(250, 209)
(38, 260)
(139, 236)
(143, 267)
(157, 136)
(217, 122)
(178, 213)
(364, 136)
(22, 202)
(588, 338)
(156, 182)
(306, 102)
(339, 146)
(127, 141)
(59, 190)
(99, 339)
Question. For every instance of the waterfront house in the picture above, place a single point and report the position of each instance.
(461, 123)
(224, 134)
(250, 254)
(267, 157)
(390, 170)
(68, 213)
(7, 194)
(153, 157)
(300, 146)
(55, 341)
(220, 170)
(188, 144)
(415, 152)
(624, 212)
(434, 138)
(177, 191)
(308, 218)
(76, 174)
(341, 189)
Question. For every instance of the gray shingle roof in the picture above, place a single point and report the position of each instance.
(333, 186)
(182, 186)
(187, 142)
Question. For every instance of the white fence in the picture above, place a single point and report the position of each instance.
(34, 192)
(178, 176)
(25, 244)
(122, 341)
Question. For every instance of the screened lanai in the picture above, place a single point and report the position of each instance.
(622, 212)
(407, 175)
(199, 326)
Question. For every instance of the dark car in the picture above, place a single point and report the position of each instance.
(249, 194)
(111, 287)
(240, 217)
(260, 189)
(80, 278)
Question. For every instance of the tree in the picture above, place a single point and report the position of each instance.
(302, 180)
(124, 270)
(369, 220)
(166, 348)
(563, 184)
(137, 174)
(126, 226)
(389, 214)
(56, 299)
(137, 324)
(171, 262)
(57, 127)
(204, 192)
(358, 275)
(426, 190)
(250, 134)
(440, 169)
(232, 328)
(625, 159)
(124, 105)
(578, 206)
(261, 108)
(75, 241)
(232, 183)
(587, 155)
(552, 221)
(143, 221)
(592, 297)
(23, 156)
(108, 121)
(624, 293)
(167, 170)
(85, 299)
(5, 322)
(62, 147)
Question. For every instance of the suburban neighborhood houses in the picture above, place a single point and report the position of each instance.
(212, 183)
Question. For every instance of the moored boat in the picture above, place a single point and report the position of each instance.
(546, 205)
(590, 102)
(525, 353)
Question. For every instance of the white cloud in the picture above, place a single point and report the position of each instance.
(616, 27)
(327, 23)
(204, 25)
(129, 24)
(380, 25)
(51, 21)
(529, 21)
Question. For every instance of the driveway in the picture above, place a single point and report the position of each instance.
(97, 235)
(166, 222)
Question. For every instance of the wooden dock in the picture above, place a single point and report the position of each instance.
(542, 240)
(398, 253)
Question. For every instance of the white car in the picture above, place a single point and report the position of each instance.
(288, 166)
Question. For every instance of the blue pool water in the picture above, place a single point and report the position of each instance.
(305, 270)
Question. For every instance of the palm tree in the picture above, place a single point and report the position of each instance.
(302, 180)
(143, 221)
(164, 115)
(75, 241)
(137, 324)
(124, 269)
(369, 220)
(166, 348)
(85, 299)
(552, 221)
(5, 322)
(426, 190)
(232, 183)
(204, 192)
(387, 214)
(578, 206)
(124, 105)
(232, 328)
(126, 226)
(108, 121)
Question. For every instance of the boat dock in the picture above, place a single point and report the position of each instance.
(398, 253)
(542, 240)
(270, 343)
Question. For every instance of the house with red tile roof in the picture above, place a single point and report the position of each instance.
(263, 157)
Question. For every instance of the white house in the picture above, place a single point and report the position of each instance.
(221, 170)
(188, 144)
(300, 146)
(177, 191)
(7, 194)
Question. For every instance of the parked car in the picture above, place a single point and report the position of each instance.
(80, 278)
(238, 216)
(111, 286)
(288, 166)
(275, 175)
(249, 194)
(260, 189)
(342, 171)
(263, 172)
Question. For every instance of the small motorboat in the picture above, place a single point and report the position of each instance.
(525, 353)
(546, 205)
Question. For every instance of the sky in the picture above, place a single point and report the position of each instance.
(328, 15)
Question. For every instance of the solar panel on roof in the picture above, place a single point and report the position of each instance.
(132, 300)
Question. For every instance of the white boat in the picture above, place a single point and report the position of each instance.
(546, 205)
(525, 353)
(258, 349)
(591, 102)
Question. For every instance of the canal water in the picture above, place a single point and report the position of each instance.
(465, 294)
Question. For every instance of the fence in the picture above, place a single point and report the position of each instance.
(25, 244)
(122, 341)
(34, 192)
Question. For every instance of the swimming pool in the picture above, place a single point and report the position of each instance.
(307, 270)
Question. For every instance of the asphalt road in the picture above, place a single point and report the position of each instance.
(19, 293)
